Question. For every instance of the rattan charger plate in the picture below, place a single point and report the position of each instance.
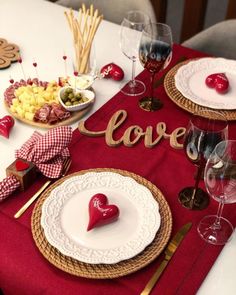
(104, 271)
(177, 97)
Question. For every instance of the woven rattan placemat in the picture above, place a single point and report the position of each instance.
(177, 97)
(104, 271)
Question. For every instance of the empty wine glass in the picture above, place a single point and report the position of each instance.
(220, 181)
(205, 130)
(130, 34)
(155, 53)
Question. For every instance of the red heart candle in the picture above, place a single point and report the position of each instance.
(115, 72)
(21, 165)
(6, 124)
(24, 171)
(100, 213)
(219, 81)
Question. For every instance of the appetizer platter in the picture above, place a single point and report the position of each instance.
(40, 103)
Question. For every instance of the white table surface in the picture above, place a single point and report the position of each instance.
(40, 29)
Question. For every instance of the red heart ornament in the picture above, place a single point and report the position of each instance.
(21, 165)
(219, 81)
(6, 123)
(100, 213)
(115, 72)
(35, 64)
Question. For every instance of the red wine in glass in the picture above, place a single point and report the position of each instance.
(206, 129)
(155, 53)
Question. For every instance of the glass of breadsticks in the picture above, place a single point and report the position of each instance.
(83, 28)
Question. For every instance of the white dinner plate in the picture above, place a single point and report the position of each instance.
(190, 81)
(65, 218)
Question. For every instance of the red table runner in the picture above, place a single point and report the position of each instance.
(23, 270)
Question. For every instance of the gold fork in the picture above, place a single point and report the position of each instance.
(66, 168)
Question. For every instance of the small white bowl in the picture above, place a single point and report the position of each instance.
(80, 106)
(81, 82)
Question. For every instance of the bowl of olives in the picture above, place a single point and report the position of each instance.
(75, 100)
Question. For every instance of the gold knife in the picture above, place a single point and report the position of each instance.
(169, 252)
(38, 193)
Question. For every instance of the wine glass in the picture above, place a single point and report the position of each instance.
(130, 34)
(155, 52)
(205, 130)
(220, 181)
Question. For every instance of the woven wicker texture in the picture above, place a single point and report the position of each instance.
(104, 271)
(185, 103)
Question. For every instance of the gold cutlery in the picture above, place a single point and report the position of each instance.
(169, 252)
(38, 193)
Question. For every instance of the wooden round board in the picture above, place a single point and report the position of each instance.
(75, 116)
(9, 53)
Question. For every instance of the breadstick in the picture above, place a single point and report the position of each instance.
(83, 31)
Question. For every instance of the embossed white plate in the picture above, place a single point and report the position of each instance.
(65, 218)
(190, 81)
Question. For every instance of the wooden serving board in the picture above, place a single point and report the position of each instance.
(75, 116)
(9, 53)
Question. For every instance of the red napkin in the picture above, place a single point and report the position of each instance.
(47, 152)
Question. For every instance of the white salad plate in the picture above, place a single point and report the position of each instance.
(190, 81)
(65, 218)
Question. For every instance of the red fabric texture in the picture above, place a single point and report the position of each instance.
(23, 268)
(47, 151)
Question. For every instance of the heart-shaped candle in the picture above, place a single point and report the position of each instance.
(6, 124)
(21, 165)
(112, 71)
(219, 81)
(100, 212)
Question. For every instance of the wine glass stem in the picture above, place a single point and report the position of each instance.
(152, 81)
(198, 177)
(216, 224)
(133, 69)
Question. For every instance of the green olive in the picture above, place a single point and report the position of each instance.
(69, 90)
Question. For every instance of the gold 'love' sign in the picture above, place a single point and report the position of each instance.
(134, 133)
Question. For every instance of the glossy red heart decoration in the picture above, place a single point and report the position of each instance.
(113, 71)
(6, 123)
(21, 165)
(100, 212)
(35, 64)
(219, 81)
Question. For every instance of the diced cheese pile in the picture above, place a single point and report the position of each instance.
(28, 99)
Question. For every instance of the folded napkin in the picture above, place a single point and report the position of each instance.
(47, 152)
